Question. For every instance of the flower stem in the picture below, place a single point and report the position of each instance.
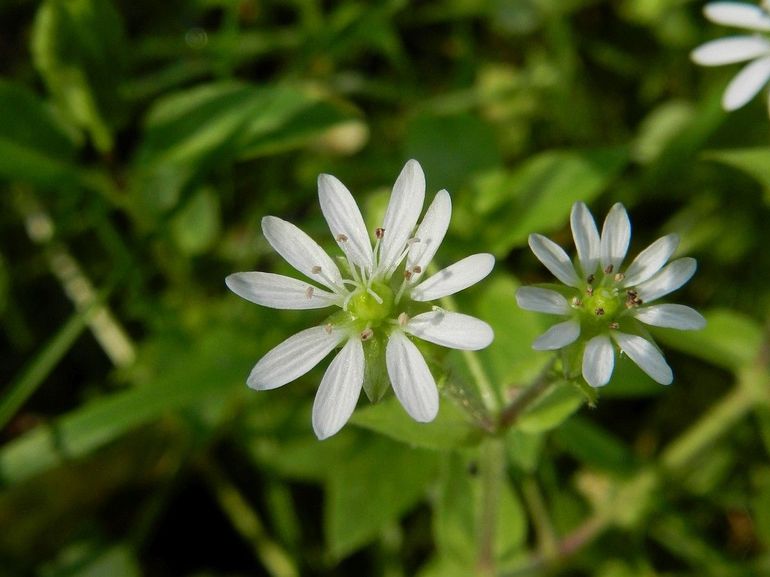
(492, 468)
(511, 412)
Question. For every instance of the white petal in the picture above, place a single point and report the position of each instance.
(454, 278)
(598, 361)
(345, 220)
(558, 336)
(738, 14)
(616, 234)
(542, 300)
(278, 291)
(430, 233)
(651, 260)
(644, 354)
(411, 380)
(730, 50)
(300, 251)
(293, 357)
(746, 84)
(586, 237)
(339, 391)
(554, 258)
(673, 276)
(403, 211)
(453, 330)
(670, 316)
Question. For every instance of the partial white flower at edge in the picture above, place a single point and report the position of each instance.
(606, 303)
(754, 49)
(381, 291)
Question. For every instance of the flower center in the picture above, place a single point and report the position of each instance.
(373, 304)
(603, 304)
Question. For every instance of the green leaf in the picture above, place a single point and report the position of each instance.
(191, 374)
(753, 161)
(594, 446)
(451, 428)
(79, 49)
(118, 561)
(730, 340)
(196, 227)
(552, 409)
(34, 146)
(524, 449)
(538, 195)
(378, 482)
(451, 148)
(190, 133)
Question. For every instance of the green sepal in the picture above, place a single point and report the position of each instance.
(376, 381)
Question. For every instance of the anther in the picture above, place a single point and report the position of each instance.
(367, 334)
(316, 269)
(614, 325)
(619, 277)
(608, 269)
(403, 318)
(416, 269)
(590, 291)
(379, 232)
(590, 279)
(309, 292)
(599, 311)
(408, 274)
(576, 302)
(342, 237)
(328, 328)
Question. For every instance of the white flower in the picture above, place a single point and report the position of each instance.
(601, 304)
(379, 309)
(754, 48)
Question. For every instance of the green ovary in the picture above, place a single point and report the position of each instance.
(365, 306)
(603, 305)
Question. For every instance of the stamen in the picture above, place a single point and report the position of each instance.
(403, 318)
(402, 256)
(609, 268)
(590, 291)
(379, 232)
(614, 325)
(619, 277)
(599, 311)
(329, 281)
(576, 302)
(342, 237)
(328, 328)
(309, 292)
(367, 334)
(590, 279)
(408, 274)
(416, 269)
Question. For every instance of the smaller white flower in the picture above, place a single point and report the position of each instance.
(754, 49)
(380, 309)
(603, 303)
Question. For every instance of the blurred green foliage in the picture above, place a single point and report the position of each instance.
(140, 145)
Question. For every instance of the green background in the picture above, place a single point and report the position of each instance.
(142, 142)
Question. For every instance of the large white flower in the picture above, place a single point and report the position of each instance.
(380, 308)
(602, 302)
(753, 48)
